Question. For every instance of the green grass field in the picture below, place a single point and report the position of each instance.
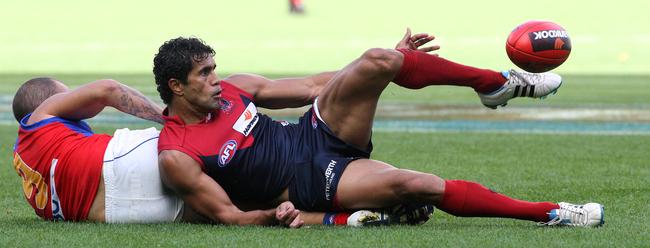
(612, 170)
(608, 72)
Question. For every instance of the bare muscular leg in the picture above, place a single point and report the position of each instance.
(348, 103)
(367, 183)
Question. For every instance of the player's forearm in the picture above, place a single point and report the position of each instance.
(202, 194)
(240, 218)
(132, 102)
(293, 92)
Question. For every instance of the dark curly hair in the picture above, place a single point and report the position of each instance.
(174, 60)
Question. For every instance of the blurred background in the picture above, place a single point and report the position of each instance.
(606, 75)
(261, 36)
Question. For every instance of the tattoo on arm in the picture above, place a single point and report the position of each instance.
(134, 103)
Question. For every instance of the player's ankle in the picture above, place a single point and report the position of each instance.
(336, 219)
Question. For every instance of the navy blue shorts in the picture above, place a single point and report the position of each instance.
(316, 179)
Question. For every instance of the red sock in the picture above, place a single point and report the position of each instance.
(469, 199)
(338, 219)
(420, 69)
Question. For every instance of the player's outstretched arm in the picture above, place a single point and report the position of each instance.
(184, 175)
(88, 100)
(282, 93)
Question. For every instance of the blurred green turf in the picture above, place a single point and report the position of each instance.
(577, 168)
(260, 36)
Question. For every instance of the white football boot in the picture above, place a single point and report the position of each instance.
(588, 215)
(398, 215)
(367, 218)
(522, 84)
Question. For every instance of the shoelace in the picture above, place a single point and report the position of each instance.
(576, 215)
(521, 79)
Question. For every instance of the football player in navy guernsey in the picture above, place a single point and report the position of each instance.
(124, 186)
(215, 142)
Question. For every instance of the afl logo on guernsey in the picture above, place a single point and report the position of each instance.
(226, 152)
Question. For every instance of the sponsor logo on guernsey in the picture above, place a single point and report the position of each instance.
(247, 120)
(57, 212)
(227, 152)
(329, 176)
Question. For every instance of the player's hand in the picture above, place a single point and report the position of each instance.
(288, 215)
(416, 42)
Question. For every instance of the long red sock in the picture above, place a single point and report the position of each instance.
(469, 199)
(420, 69)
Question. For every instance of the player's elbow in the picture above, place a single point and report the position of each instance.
(106, 88)
(108, 84)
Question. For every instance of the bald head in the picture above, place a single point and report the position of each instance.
(32, 93)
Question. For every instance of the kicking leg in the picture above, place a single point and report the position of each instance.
(349, 101)
(420, 69)
(493, 88)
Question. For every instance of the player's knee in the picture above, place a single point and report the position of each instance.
(381, 60)
(418, 186)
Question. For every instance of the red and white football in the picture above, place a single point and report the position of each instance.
(538, 46)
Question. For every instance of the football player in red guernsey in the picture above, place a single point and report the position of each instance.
(215, 143)
(70, 173)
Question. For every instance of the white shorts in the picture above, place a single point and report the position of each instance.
(134, 191)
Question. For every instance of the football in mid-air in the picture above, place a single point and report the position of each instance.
(538, 46)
